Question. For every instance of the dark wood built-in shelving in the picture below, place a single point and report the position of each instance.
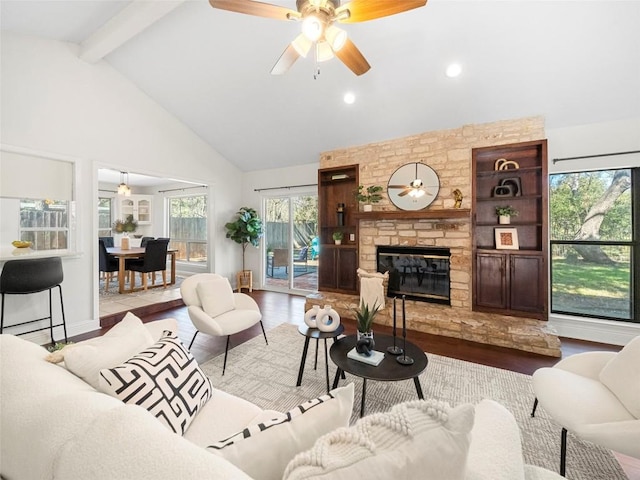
(338, 263)
(511, 282)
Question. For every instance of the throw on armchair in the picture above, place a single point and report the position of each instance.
(216, 310)
(596, 396)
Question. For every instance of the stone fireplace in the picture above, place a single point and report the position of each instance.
(439, 226)
(417, 273)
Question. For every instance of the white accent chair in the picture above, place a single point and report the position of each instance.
(216, 310)
(596, 396)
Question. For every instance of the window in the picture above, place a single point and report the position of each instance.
(594, 244)
(188, 227)
(105, 207)
(44, 223)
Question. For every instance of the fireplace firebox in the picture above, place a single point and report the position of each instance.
(420, 273)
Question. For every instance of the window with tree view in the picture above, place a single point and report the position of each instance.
(594, 244)
(188, 227)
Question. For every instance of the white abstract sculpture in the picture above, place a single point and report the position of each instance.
(311, 316)
(328, 320)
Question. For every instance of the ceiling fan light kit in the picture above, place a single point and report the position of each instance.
(318, 18)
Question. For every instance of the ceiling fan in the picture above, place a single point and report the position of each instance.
(318, 26)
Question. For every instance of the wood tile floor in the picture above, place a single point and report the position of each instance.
(280, 308)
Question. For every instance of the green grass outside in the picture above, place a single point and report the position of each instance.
(591, 288)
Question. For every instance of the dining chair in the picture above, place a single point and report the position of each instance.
(144, 241)
(108, 241)
(154, 260)
(107, 263)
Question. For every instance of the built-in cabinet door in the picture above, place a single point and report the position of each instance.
(327, 279)
(347, 267)
(491, 281)
(526, 272)
(338, 269)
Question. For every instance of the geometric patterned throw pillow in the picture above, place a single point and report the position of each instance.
(165, 379)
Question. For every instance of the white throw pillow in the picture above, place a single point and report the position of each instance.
(216, 296)
(125, 339)
(621, 375)
(165, 379)
(418, 439)
(263, 450)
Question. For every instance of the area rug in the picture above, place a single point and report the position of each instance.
(266, 375)
(113, 285)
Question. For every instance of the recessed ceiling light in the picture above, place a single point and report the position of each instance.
(349, 98)
(454, 70)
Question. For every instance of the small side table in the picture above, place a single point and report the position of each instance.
(310, 333)
(244, 279)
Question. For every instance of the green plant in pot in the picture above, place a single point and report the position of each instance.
(364, 323)
(337, 237)
(246, 229)
(505, 213)
(128, 225)
(368, 196)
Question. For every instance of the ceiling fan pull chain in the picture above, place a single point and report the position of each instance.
(316, 67)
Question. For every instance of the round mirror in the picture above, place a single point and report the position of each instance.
(413, 186)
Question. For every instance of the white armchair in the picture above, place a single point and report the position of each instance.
(596, 396)
(216, 310)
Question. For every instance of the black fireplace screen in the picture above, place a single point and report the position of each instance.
(420, 273)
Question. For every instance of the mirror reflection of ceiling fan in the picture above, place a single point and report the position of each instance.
(318, 26)
(414, 189)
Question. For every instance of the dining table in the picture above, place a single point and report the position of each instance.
(137, 252)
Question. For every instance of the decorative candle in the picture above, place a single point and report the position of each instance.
(404, 318)
(394, 316)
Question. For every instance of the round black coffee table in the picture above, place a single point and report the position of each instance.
(389, 370)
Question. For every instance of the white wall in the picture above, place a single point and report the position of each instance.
(51, 101)
(273, 179)
(601, 138)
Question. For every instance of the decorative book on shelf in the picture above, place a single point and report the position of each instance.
(374, 359)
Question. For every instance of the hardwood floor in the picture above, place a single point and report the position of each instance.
(278, 308)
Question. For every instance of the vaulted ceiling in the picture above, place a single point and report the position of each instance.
(573, 62)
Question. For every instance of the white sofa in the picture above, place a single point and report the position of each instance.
(55, 425)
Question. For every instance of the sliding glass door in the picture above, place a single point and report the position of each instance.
(291, 253)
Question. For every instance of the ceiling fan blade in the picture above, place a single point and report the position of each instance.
(363, 10)
(406, 192)
(286, 60)
(352, 58)
(398, 186)
(258, 9)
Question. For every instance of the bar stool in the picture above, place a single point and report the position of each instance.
(22, 277)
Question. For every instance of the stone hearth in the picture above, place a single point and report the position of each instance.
(525, 334)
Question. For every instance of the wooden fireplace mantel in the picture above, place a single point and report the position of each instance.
(441, 214)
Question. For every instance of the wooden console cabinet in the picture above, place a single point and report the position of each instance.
(511, 282)
(338, 263)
